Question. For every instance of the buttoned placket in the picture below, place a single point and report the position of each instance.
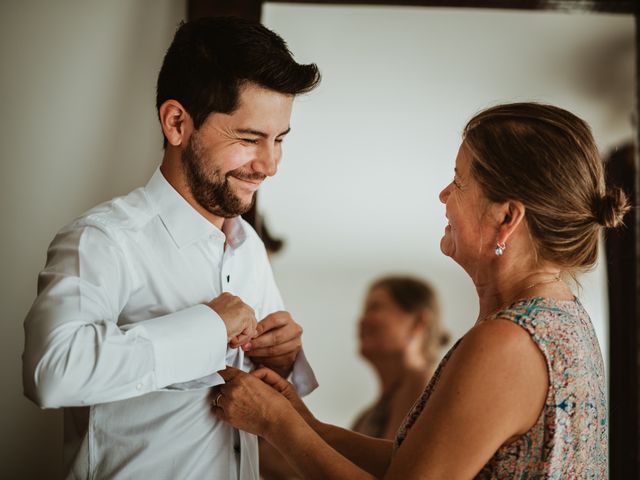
(225, 269)
(225, 286)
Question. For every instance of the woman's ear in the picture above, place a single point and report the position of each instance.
(175, 121)
(509, 215)
(421, 321)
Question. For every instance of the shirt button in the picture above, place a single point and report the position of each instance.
(139, 386)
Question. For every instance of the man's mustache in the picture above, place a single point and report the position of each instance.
(255, 176)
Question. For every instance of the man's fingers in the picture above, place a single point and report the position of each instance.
(266, 339)
(277, 336)
(242, 339)
(273, 320)
(278, 362)
(280, 349)
(271, 378)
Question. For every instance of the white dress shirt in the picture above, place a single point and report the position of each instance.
(120, 333)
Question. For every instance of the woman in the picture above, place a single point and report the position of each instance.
(522, 393)
(400, 336)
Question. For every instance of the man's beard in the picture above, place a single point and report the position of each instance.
(212, 191)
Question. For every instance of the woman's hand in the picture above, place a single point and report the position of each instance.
(263, 403)
(287, 390)
(251, 404)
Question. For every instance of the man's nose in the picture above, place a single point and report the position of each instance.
(267, 159)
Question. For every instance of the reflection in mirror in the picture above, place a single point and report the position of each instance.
(357, 191)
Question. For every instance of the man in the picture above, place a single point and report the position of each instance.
(145, 297)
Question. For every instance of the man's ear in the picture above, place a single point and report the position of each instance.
(509, 215)
(176, 122)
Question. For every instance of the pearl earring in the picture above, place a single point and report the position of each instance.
(500, 248)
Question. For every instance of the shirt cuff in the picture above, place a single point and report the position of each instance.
(302, 376)
(187, 345)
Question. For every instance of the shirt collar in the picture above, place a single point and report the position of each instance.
(183, 222)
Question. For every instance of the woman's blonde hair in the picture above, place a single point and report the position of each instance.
(546, 158)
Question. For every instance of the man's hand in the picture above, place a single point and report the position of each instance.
(238, 317)
(276, 344)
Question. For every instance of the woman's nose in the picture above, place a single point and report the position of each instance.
(444, 194)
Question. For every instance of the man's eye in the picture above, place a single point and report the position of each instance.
(456, 183)
(252, 141)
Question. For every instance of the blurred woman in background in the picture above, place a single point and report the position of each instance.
(401, 336)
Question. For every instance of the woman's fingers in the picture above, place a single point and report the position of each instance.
(230, 373)
(248, 403)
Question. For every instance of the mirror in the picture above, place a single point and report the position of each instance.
(357, 192)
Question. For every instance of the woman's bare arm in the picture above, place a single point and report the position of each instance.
(491, 391)
(369, 453)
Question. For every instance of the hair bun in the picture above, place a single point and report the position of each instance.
(612, 207)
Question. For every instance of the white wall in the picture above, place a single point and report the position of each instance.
(79, 126)
(356, 195)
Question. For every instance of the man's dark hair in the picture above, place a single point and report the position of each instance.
(210, 58)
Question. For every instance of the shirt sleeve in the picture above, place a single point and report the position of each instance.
(77, 354)
(302, 375)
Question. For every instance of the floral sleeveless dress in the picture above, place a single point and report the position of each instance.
(570, 438)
